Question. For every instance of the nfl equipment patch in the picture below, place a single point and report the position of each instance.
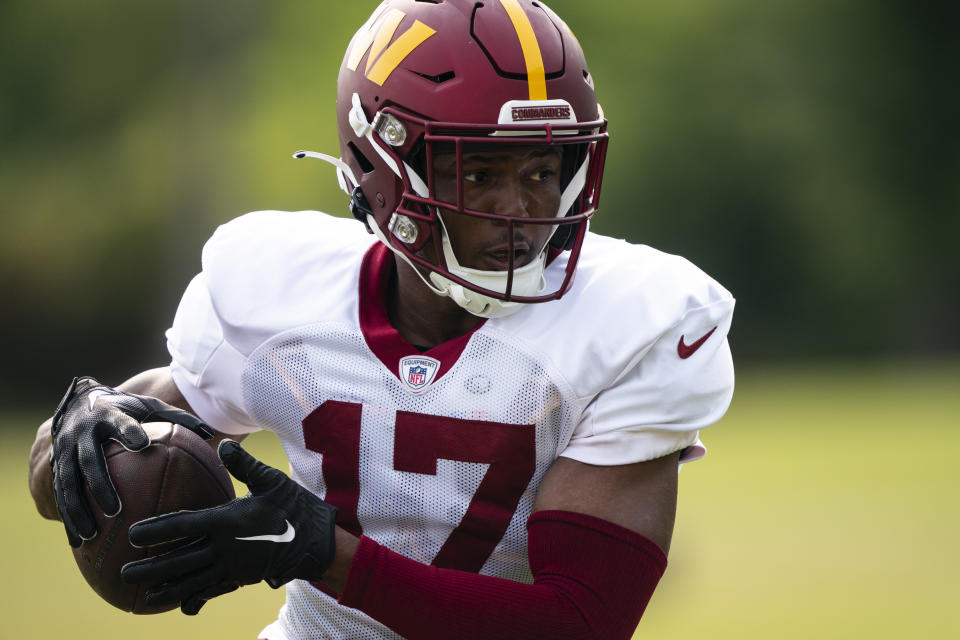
(417, 372)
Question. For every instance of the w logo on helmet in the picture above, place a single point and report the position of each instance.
(375, 35)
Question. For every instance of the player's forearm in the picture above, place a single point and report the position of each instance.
(592, 579)
(156, 383)
(346, 547)
(40, 476)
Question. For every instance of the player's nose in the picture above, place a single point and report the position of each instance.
(510, 199)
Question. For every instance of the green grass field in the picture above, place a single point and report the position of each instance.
(826, 508)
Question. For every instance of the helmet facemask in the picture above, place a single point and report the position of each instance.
(529, 243)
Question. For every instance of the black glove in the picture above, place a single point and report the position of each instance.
(277, 532)
(89, 415)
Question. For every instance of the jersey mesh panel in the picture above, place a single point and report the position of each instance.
(411, 513)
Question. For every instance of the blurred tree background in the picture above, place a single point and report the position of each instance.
(804, 152)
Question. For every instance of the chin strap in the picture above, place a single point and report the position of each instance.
(372, 225)
(528, 280)
(476, 303)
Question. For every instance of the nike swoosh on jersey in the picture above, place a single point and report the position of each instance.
(685, 350)
(286, 536)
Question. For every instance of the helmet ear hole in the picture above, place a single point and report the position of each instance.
(365, 165)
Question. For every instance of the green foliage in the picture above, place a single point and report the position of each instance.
(803, 152)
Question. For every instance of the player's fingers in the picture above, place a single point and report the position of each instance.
(130, 434)
(72, 503)
(237, 461)
(189, 421)
(173, 592)
(246, 468)
(93, 467)
(152, 409)
(72, 539)
(73, 535)
(169, 566)
(192, 605)
(177, 525)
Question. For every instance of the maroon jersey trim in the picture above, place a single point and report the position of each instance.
(383, 340)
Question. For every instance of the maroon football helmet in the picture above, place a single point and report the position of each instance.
(423, 78)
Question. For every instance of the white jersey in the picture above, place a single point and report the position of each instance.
(438, 454)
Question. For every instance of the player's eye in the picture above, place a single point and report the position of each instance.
(476, 177)
(542, 175)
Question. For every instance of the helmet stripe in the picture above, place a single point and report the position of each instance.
(361, 42)
(384, 34)
(400, 49)
(536, 76)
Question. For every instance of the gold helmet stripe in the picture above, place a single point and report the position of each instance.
(374, 36)
(400, 49)
(362, 39)
(536, 76)
(384, 34)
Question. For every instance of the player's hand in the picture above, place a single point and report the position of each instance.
(277, 532)
(89, 415)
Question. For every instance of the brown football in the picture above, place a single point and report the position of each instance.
(177, 471)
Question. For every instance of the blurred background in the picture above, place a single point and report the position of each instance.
(805, 153)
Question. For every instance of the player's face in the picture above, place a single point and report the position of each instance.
(520, 182)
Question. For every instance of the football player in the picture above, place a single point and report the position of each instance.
(481, 445)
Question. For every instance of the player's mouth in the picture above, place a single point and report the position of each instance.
(498, 257)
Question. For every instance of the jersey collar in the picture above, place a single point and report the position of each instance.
(381, 337)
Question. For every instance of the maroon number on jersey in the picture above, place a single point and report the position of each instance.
(333, 429)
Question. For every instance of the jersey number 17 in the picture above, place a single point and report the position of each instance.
(333, 429)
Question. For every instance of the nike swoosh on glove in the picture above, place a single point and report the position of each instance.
(89, 414)
(278, 532)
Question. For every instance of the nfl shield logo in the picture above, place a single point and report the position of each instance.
(417, 376)
(417, 372)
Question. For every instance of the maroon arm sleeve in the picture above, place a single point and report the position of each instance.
(591, 579)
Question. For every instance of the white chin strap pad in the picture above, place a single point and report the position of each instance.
(528, 280)
(476, 303)
(473, 302)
